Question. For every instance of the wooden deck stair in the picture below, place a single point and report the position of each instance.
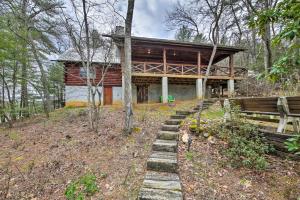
(161, 180)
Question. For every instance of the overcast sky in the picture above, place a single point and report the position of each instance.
(149, 18)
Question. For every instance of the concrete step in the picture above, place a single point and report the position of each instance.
(178, 116)
(173, 121)
(170, 127)
(157, 186)
(165, 145)
(182, 112)
(168, 135)
(163, 162)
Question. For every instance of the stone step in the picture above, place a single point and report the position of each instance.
(158, 185)
(173, 121)
(162, 162)
(165, 145)
(203, 108)
(193, 111)
(158, 194)
(168, 135)
(182, 112)
(170, 127)
(178, 116)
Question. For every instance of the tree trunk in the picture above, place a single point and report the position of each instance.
(267, 43)
(24, 83)
(3, 97)
(127, 70)
(91, 102)
(208, 68)
(14, 80)
(45, 88)
(267, 49)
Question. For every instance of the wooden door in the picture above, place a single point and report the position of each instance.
(107, 95)
(142, 93)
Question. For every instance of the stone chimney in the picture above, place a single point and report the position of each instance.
(120, 30)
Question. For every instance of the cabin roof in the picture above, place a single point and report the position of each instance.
(100, 55)
(199, 45)
(187, 50)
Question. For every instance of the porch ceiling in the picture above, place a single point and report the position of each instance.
(155, 54)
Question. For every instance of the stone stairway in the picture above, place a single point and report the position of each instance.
(206, 104)
(161, 181)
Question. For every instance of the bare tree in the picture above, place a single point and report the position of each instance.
(216, 9)
(86, 43)
(127, 69)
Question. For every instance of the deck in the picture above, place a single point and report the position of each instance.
(157, 69)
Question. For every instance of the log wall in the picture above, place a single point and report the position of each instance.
(113, 76)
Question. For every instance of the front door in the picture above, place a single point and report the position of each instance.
(107, 95)
(142, 93)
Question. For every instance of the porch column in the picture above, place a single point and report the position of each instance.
(199, 63)
(199, 88)
(230, 86)
(164, 84)
(165, 60)
(208, 91)
(231, 69)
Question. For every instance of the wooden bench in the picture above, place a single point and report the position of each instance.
(286, 108)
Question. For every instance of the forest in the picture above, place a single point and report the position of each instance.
(34, 31)
(101, 151)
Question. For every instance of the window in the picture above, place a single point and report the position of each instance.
(83, 73)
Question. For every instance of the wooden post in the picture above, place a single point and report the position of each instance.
(227, 115)
(199, 63)
(165, 60)
(283, 110)
(231, 69)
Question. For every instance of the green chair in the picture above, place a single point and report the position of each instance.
(171, 99)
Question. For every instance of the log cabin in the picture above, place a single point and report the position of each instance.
(160, 68)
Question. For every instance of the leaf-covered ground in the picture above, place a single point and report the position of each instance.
(40, 157)
(205, 174)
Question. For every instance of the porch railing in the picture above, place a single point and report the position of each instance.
(186, 69)
(183, 69)
(148, 67)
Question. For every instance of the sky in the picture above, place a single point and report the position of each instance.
(149, 18)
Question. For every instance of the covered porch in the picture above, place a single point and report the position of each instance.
(158, 89)
(161, 57)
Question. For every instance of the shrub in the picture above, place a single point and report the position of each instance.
(85, 186)
(193, 127)
(293, 144)
(245, 146)
(189, 155)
